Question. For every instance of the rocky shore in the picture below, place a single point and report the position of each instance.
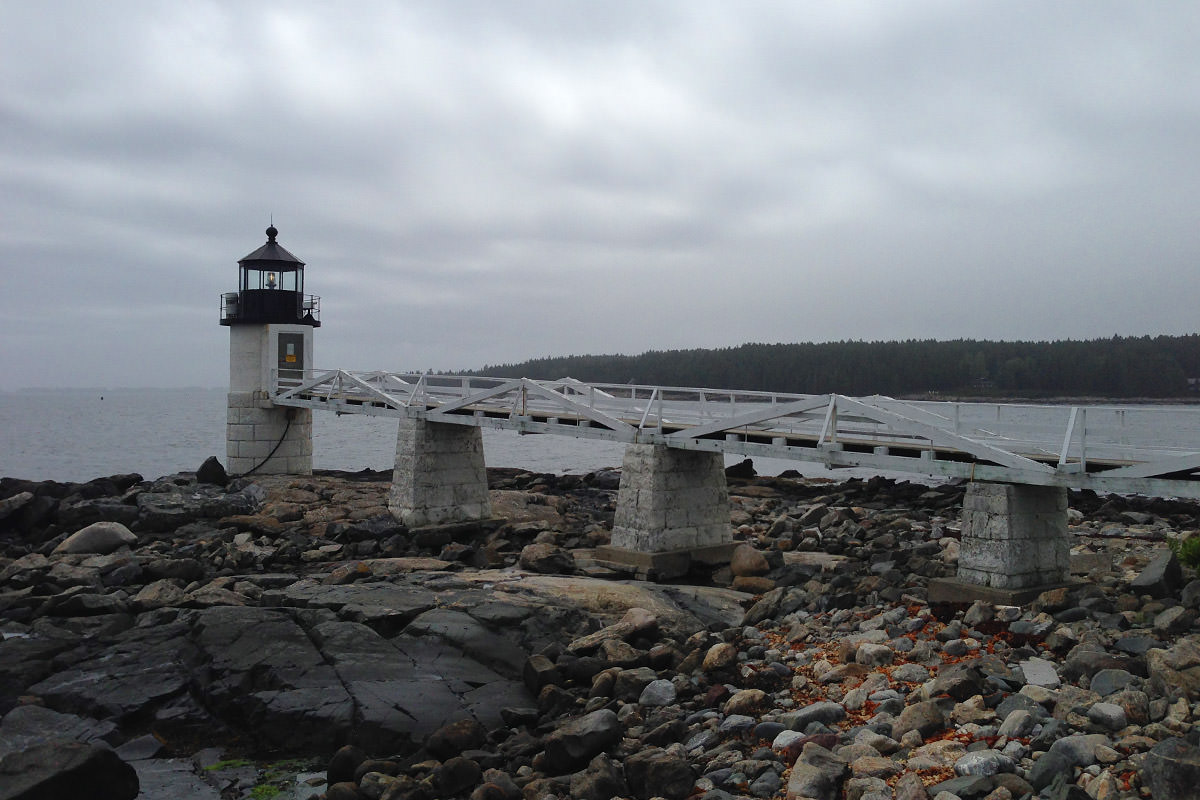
(284, 636)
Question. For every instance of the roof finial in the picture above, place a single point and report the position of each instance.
(271, 232)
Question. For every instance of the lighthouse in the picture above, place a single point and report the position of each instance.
(271, 322)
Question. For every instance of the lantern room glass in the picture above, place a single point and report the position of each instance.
(272, 278)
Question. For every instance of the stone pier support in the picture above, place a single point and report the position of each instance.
(439, 476)
(672, 510)
(257, 428)
(1014, 544)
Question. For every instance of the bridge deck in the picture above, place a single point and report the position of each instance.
(1127, 449)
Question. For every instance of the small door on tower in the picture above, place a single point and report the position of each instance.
(291, 358)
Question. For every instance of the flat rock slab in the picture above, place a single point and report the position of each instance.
(299, 687)
(140, 670)
(471, 637)
(171, 779)
(27, 726)
(386, 606)
(684, 609)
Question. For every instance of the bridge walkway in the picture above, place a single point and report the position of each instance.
(1150, 450)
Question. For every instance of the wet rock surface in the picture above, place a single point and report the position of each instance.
(183, 625)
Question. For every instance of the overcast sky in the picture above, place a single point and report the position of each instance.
(481, 182)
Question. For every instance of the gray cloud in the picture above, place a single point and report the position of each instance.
(477, 182)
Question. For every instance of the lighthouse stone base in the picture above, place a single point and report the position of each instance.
(265, 438)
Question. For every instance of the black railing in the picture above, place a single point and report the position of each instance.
(270, 305)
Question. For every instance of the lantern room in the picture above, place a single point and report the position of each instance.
(270, 289)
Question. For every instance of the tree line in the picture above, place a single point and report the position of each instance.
(1120, 367)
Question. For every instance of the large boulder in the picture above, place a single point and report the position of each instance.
(1175, 670)
(212, 471)
(604, 778)
(1162, 576)
(547, 559)
(654, 772)
(168, 506)
(818, 775)
(98, 538)
(319, 679)
(576, 742)
(1171, 770)
(66, 770)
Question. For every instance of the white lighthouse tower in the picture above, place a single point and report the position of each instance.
(271, 324)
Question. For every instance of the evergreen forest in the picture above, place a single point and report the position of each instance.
(1120, 367)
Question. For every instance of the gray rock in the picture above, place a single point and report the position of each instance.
(873, 655)
(1161, 577)
(1174, 620)
(910, 787)
(629, 683)
(78, 513)
(817, 774)
(966, 787)
(491, 649)
(173, 778)
(1110, 681)
(159, 594)
(142, 671)
(737, 724)
(654, 772)
(11, 505)
(99, 537)
(1080, 749)
(29, 725)
(1171, 770)
(910, 673)
(456, 775)
(1175, 670)
(1089, 658)
(603, 778)
(65, 769)
(547, 559)
(660, 692)
(960, 681)
(1189, 595)
(768, 783)
(1109, 716)
(167, 506)
(984, 762)
(1018, 723)
(824, 712)
(748, 561)
(407, 687)
(1040, 672)
(1047, 768)
(926, 718)
(212, 471)
(578, 740)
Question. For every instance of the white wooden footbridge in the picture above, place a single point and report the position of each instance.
(1119, 449)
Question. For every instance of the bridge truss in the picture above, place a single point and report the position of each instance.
(1153, 451)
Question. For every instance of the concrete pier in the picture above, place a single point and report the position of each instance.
(672, 510)
(439, 476)
(1014, 544)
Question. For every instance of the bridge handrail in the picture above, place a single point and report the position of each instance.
(1023, 438)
